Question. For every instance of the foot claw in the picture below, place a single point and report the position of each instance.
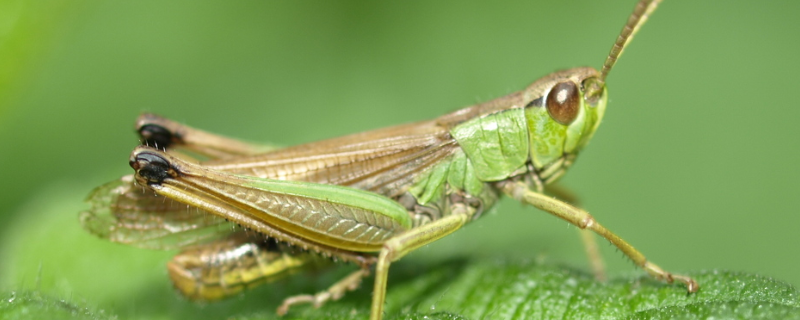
(667, 277)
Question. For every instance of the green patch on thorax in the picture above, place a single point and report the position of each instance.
(496, 144)
(454, 174)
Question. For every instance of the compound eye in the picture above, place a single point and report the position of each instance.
(563, 102)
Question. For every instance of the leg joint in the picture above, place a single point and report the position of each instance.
(586, 222)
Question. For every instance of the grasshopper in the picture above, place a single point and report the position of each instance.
(257, 213)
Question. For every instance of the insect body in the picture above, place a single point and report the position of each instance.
(368, 198)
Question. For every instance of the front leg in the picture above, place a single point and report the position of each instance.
(582, 219)
(587, 236)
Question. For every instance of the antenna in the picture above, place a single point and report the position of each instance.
(635, 21)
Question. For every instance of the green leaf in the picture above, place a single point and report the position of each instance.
(32, 305)
(503, 289)
(52, 269)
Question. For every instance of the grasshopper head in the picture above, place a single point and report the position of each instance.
(575, 101)
(563, 112)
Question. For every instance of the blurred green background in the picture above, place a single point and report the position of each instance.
(695, 164)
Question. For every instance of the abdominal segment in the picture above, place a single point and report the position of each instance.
(227, 267)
